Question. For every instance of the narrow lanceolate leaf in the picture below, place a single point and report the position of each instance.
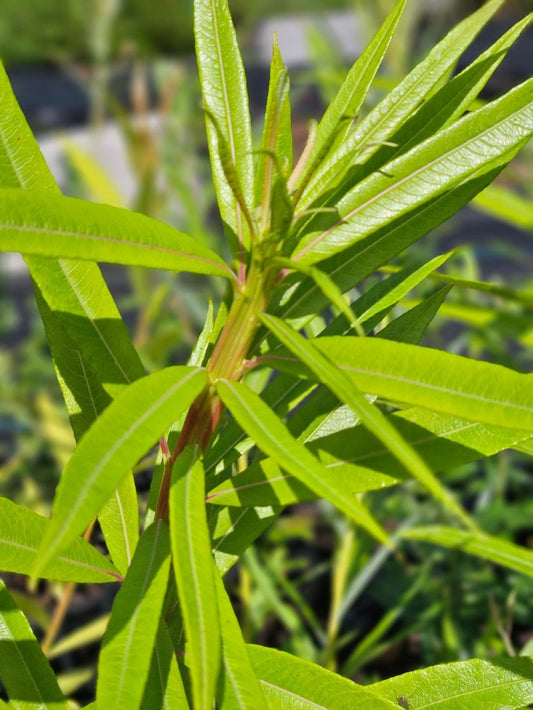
(471, 146)
(42, 224)
(377, 423)
(342, 112)
(350, 267)
(275, 440)
(451, 100)
(476, 684)
(275, 157)
(224, 93)
(411, 325)
(470, 389)
(119, 520)
(489, 548)
(21, 533)
(25, 673)
(164, 688)
(292, 684)
(390, 113)
(127, 644)
(121, 435)
(238, 687)
(195, 576)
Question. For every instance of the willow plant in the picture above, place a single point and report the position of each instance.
(346, 404)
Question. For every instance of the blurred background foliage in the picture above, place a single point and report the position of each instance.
(312, 585)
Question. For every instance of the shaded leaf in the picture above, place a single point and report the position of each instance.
(24, 670)
(127, 644)
(164, 687)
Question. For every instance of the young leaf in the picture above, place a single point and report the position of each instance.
(238, 687)
(390, 113)
(487, 547)
(341, 113)
(468, 148)
(164, 688)
(115, 442)
(276, 144)
(127, 644)
(334, 378)
(225, 97)
(476, 684)
(43, 224)
(275, 440)
(195, 576)
(292, 684)
(479, 391)
(21, 533)
(24, 670)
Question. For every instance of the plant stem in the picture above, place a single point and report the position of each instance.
(228, 362)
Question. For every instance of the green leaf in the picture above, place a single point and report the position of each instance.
(234, 530)
(335, 379)
(225, 97)
(275, 156)
(468, 148)
(337, 121)
(164, 688)
(238, 687)
(353, 265)
(121, 435)
(119, 520)
(450, 102)
(390, 113)
(411, 325)
(290, 683)
(195, 575)
(476, 684)
(127, 644)
(43, 224)
(276, 142)
(478, 391)
(21, 533)
(25, 673)
(487, 547)
(363, 463)
(275, 440)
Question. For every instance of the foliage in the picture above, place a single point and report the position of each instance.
(293, 392)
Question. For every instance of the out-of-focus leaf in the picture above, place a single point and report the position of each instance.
(488, 547)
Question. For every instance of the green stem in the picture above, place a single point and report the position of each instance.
(228, 362)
